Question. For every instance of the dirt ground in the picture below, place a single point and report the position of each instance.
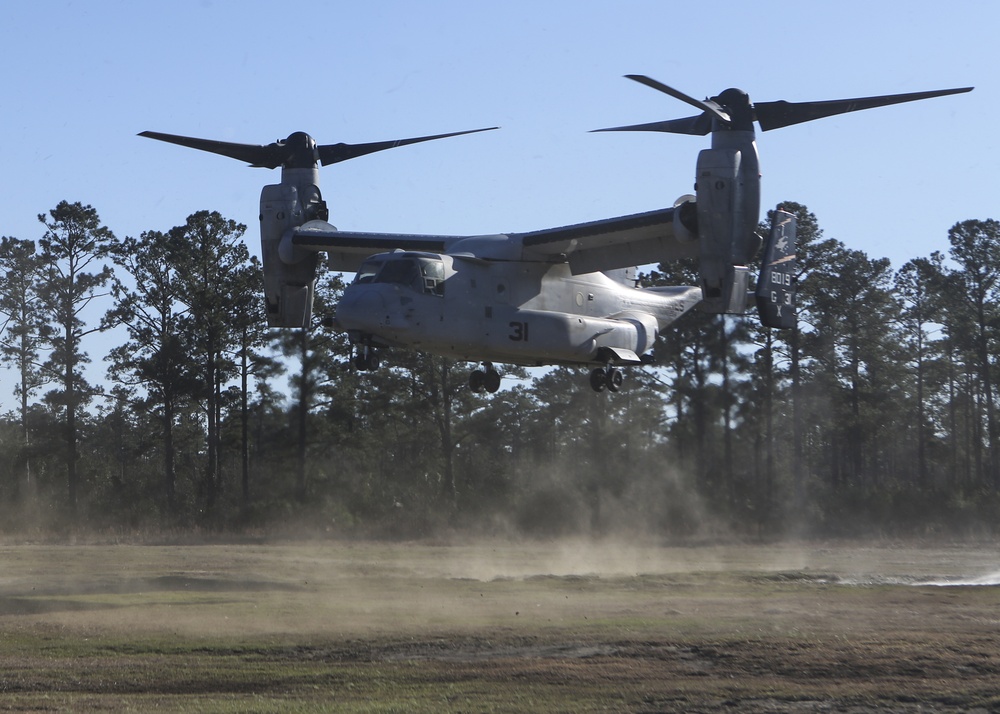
(501, 626)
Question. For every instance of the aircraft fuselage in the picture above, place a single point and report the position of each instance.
(527, 313)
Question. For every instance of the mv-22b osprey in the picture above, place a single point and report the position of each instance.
(561, 296)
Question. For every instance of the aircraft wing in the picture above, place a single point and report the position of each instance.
(346, 250)
(607, 244)
(624, 242)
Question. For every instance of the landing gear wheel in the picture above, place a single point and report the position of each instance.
(598, 379)
(492, 382)
(367, 360)
(610, 378)
(615, 379)
(484, 380)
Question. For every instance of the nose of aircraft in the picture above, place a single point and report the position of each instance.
(360, 308)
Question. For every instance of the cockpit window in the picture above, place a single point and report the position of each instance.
(432, 272)
(422, 274)
(368, 270)
(401, 271)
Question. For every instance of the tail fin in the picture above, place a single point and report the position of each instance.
(777, 281)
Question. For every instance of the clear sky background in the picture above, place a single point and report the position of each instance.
(82, 78)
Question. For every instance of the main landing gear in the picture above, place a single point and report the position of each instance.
(484, 380)
(608, 377)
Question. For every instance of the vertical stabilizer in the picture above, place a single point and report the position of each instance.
(777, 281)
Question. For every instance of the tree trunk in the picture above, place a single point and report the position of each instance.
(727, 415)
(169, 469)
(445, 429)
(212, 444)
(305, 396)
(69, 384)
(245, 422)
(798, 473)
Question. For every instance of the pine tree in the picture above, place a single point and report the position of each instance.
(209, 255)
(916, 286)
(252, 335)
(22, 334)
(73, 244)
(975, 246)
(153, 363)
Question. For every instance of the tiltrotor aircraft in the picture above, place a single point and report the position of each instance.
(563, 296)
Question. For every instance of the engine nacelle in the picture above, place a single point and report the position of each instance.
(289, 280)
(719, 216)
(728, 202)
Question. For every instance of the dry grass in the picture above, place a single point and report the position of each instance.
(575, 626)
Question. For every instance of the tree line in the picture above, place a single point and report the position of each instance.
(877, 414)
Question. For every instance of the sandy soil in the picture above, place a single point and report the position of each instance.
(568, 626)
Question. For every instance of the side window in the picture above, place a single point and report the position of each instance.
(432, 272)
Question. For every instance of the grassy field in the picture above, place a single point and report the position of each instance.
(499, 627)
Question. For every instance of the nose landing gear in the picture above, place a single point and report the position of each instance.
(484, 380)
(366, 359)
(610, 378)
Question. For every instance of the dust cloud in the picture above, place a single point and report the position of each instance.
(990, 579)
(354, 589)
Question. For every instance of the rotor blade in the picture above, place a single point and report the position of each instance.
(335, 153)
(707, 106)
(696, 126)
(270, 156)
(774, 115)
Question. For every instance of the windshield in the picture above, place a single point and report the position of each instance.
(422, 274)
(368, 270)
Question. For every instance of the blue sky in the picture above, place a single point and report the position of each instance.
(83, 78)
